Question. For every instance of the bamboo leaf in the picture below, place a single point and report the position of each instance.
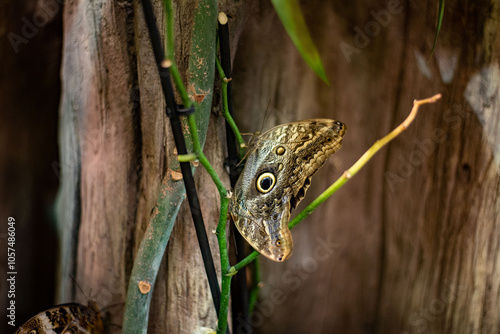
(438, 25)
(291, 16)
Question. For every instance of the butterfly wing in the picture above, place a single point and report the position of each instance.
(276, 176)
(67, 318)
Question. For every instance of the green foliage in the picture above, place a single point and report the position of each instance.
(201, 77)
(438, 25)
(291, 16)
(172, 192)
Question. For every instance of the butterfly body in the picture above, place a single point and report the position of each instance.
(276, 175)
(72, 318)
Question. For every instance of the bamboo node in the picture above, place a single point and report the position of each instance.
(176, 176)
(222, 18)
(144, 287)
(166, 63)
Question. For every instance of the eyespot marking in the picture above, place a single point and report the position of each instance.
(266, 182)
(293, 153)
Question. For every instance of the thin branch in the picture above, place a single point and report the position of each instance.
(170, 53)
(152, 248)
(225, 113)
(221, 227)
(254, 293)
(347, 175)
(224, 263)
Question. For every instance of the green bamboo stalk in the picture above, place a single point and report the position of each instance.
(149, 256)
(193, 122)
(170, 53)
(225, 110)
(346, 176)
(254, 293)
(224, 262)
(201, 70)
(152, 248)
(169, 31)
(221, 227)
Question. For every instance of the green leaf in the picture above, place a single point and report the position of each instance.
(438, 25)
(291, 16)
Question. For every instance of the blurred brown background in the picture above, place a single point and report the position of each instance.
(409, 245)
(29, 101)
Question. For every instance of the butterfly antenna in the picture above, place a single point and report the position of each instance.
(256, 135)
(80, 288)
(266, 115)
(247, 153)
(107, 308)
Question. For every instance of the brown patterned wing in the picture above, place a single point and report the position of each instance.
(276, 176)
(69, 318)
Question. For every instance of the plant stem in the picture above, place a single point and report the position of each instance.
(255, 289)
(225, 112)
(221, 228)
(203, 159)
(171, 193)
(197, 148)
(224, 262)
(150, 253)
(170, 53)
(347, 174)
(169, 30)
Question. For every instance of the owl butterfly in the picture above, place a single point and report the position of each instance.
(275, 178)
(69, 318)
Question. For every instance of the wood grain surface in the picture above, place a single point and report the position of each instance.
(409, 245)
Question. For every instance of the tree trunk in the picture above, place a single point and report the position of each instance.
(409, 245)
(116, 148)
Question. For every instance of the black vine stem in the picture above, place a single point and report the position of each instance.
(187, 175)
(225, 59)
(239, 292)
(192, 195)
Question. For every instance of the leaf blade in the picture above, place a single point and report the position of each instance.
(292, 19)
(438, 25)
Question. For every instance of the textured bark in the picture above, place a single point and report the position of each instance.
(415, 234)
(113, 115)
(100, 150)
(409, 245)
